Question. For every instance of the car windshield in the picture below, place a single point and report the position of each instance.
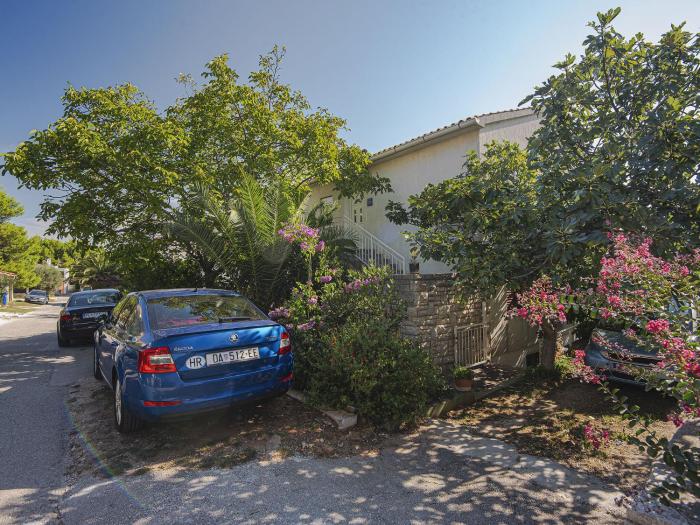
(94, 299)
(37, 292)
(188, 310)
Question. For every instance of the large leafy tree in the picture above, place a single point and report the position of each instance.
(118, 168)
(618, 148)
(18, 252)
(50, 278)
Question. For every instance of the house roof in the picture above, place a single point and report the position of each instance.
(476, 121)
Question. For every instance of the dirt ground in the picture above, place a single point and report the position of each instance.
(273, 429)
(546, 419)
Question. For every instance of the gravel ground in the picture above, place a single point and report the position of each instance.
(56, 425)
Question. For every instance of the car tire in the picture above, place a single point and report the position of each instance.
(96, 364)
(124, 420)
(62, 342)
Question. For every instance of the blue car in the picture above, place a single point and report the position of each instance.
(173, 353)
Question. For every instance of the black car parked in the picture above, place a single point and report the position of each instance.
(37, 296)
(81, 315)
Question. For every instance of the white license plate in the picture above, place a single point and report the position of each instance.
(229, 356)
(92, 315)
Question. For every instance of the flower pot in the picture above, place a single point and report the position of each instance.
(463, 384)
(413, 266)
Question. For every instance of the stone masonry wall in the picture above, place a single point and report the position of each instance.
(434, 312)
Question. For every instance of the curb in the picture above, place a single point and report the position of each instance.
(341, 418)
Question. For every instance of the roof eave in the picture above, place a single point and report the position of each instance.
(426, 139)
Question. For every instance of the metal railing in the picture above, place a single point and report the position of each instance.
(471, 345)
(371, 249)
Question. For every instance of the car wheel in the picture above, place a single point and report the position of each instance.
(96, 364)
(123, 419)
(62, 342)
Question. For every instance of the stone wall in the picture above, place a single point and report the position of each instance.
(435, 310)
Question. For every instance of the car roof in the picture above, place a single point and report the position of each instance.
(181, 292)
(88, 292)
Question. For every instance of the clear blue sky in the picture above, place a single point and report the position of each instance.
(392, 69)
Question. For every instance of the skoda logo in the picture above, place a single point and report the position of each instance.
(233, 338)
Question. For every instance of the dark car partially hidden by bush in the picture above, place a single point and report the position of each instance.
(80, 317)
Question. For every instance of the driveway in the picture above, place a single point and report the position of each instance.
(440, 474)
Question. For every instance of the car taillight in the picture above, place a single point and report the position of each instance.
(285, 344)
(66, 317)
(156, 361)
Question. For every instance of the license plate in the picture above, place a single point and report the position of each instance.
(230, 356)
(92, 315)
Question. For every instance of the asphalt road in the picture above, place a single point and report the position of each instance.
(441, 474)
(34, 424)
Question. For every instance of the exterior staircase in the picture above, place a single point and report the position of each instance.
(372, 250)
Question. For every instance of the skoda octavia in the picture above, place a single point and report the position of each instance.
(171, 353)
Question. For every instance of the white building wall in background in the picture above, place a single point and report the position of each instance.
(430, 159)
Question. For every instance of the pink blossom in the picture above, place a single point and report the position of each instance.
(614, 300)
(656, 326)
(325, 279)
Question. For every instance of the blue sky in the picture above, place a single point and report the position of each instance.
(392, 69)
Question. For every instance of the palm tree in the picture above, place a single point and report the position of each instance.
(96, 270)
(240, 236)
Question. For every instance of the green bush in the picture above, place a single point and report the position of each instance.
(348, 351)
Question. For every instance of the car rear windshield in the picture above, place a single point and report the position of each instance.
(94, 299)
(189, 310)
(37, 292)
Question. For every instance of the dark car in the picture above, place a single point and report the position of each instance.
(81, 316)
(616, 357)
(37, 296)
(172, 353)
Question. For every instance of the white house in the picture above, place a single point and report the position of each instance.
(410, 166)
(453, 332)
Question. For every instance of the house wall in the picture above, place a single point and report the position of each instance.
(435, 309)
(411, 171)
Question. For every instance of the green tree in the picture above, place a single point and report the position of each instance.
(95, 269)
(240, 237)
(18, 253)
(61, 253)
(119, 168)
(617, 148)
(50, 278)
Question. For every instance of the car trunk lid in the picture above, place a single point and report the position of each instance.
(191, 345)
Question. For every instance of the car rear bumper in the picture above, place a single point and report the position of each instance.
(196, 396)
(81, 332)
(611, 370)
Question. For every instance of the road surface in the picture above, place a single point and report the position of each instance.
(438, 475)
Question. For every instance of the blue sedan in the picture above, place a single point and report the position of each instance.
(171, 353)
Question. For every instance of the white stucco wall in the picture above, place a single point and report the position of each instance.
(411, 171)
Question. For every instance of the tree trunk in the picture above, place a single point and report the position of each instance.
(551, 344)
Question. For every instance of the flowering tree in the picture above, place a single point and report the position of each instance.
(654, 300)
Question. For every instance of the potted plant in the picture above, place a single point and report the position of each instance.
(464, 378)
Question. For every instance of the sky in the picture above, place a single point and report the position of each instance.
(392, 69)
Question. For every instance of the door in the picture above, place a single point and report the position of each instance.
(358, 213)
(112, 335)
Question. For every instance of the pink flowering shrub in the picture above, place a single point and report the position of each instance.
(656, 301)
(594, 436)
(307, 239)
(344, 330)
